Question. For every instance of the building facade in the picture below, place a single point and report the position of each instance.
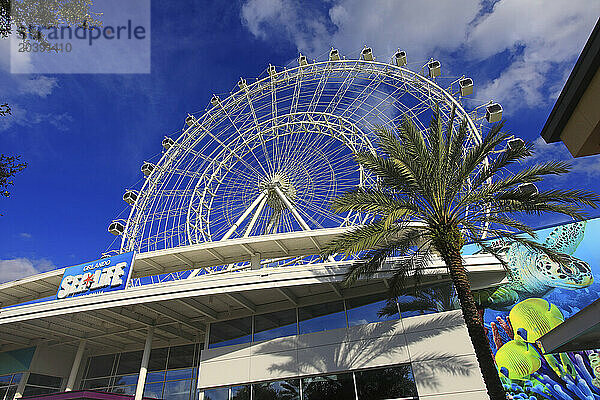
(272, 333)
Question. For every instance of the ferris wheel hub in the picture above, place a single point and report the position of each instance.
(282, 182)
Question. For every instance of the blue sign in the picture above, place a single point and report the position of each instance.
(99, 276)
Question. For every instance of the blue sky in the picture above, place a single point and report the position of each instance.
(85, 136)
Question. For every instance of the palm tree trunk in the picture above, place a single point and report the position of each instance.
(458, 274)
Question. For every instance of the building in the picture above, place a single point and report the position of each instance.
(268, 328)
(217, 290)
(575, 118)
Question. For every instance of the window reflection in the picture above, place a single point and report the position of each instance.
(364, 310)
(158, 376)
(322, 317)
(230, 332)
(126, 380)
(217, 394)
(386, 383)
(330, 387)
(241, 392)
(393, 382)
(278, 390)
(172, 383)
(177, 374)
(274, 325)
(124, 389)
(177, 390)
(428, 300)
(153, 390)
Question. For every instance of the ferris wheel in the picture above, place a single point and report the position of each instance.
(270, 156)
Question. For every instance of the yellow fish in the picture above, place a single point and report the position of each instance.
(532, 318)
(518, 359)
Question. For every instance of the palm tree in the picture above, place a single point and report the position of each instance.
(435, 192)
(429, 298)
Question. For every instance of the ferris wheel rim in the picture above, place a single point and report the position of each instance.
(213, 112)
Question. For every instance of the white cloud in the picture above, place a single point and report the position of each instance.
(350, 24)
(544, 37)
(541, 39)
(21, 267)
(589, 167)
(21, 117)
(25, 235)
(299, 24)
(41, 86)
(21, 84)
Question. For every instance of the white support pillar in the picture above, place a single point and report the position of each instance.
(242, 217)
(291, 207)
(139, 389)
(21, 386)
(75, 367)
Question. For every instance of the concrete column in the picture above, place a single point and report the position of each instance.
(139, 389)
(76, 364)
(21, 386)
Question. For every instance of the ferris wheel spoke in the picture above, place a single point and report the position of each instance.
(233, 153)
(296, 130)
(343, 89)
(363, 96)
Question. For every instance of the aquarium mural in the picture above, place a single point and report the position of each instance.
(539, 295)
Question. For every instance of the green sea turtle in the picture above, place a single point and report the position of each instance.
(533, 274)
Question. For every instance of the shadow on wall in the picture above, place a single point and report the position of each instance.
(373, 345)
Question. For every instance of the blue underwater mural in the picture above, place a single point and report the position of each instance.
(539, 295)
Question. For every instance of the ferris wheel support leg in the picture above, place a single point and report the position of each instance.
(255, 217)
(297, 215)
(291, 207)
(242, 217)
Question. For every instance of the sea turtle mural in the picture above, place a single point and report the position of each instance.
(533, 274)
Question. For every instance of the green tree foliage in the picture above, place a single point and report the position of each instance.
(9, 167)
(437, 190)
(27, 16)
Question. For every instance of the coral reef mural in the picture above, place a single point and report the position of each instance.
(538, 296)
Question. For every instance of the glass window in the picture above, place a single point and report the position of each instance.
(158, 376)
(5, 379)
(100, 366)
(126, 380)
(364, 310)
(230, 332)
(158, 359)
(321, 317)
(44, 380)
(176, 374)
(96, 383)
(153, 390)
(130, 363)
(274, 325)
(37, 390)
(177, 390)
(124, 389)
(429, 300)
(17, 378)
(216, 394)
(386, 383)
(332, 387)
(181, 356)
(10, 393)
(279, 390)
(241, 392)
